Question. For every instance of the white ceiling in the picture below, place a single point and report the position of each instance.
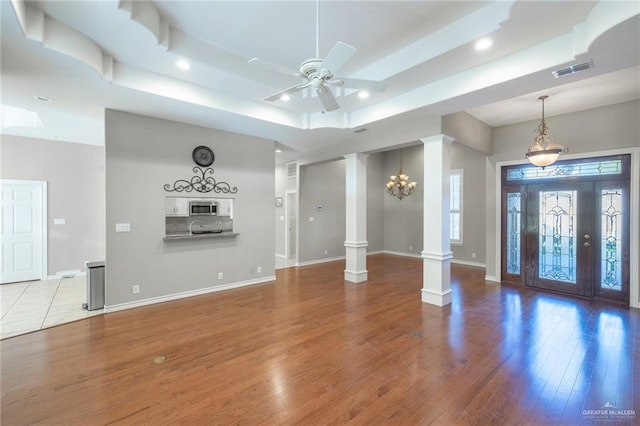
(92, 55)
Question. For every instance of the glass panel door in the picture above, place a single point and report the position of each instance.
(558, 226)
(556, 235)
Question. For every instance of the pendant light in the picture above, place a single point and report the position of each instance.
(545, 150)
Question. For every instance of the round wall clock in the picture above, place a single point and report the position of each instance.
(203, 156)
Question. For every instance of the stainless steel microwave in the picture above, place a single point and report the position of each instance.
(203, 208)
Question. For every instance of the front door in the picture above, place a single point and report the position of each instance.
(559, 221)
(567, 229)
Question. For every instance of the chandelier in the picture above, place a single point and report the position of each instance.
(545, 150)
(399, 185)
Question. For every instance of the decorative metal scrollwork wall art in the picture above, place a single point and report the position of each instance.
(202, 182)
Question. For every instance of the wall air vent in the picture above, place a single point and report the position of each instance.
(572, 69)
(360, 130)
(292, 169)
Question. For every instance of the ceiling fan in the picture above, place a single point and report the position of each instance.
(319, 74)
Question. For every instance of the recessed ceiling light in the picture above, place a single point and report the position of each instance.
(363, 94)
(285, 97)
(43, 98)
(483, 43)
(278, 151)
(183, 65)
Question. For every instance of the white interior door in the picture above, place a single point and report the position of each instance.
(22, 230)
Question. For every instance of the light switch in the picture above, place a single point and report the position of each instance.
(281, 217)
(123, 227)
(59, 221)
(311, 219)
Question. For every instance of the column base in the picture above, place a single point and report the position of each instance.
(438, 299)
(356, 277)
(356, 261)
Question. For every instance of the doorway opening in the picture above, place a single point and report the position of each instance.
(566, 228)
(291, 225)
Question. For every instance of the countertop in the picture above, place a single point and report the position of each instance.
(208, 235)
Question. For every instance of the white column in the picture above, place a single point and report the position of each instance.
(436, 254)
(356, 218)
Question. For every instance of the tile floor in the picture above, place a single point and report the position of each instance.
(30, 306)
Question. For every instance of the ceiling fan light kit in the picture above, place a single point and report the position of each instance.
(318, 74)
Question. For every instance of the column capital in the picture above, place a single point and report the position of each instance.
(356, 155)
(437, 138)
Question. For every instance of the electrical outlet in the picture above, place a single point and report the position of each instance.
(135, 289)
(410, 248)
(326, 252)
(473, 255)
(259, 269)
(220, 275)
(123, 227)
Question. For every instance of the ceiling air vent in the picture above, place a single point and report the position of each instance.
(360, 130)
(572, 69)
(292, 169)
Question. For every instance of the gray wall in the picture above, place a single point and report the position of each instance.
(473, 203)
(324, 183)
(375, 200)
(142, 155)
(612, 127)
(403, 219)
(321, 184)
(468, 130)
(76, 182)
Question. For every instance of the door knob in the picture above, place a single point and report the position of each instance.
(587, 244)
(587, 236)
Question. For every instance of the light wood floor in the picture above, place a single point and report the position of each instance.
(313, 349)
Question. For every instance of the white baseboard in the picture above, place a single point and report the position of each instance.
(316, 261)
(491, 278)
(331, 259)
(67, 274)
(467, 263)
(401, 253)
(395, 253)
(184, 294)
(418, 255)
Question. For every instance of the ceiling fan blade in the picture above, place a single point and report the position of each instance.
(287, 91)
(338, 56)
(273, 67)
(356, 83)
(327, 99)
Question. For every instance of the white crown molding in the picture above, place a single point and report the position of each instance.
(54, 35)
